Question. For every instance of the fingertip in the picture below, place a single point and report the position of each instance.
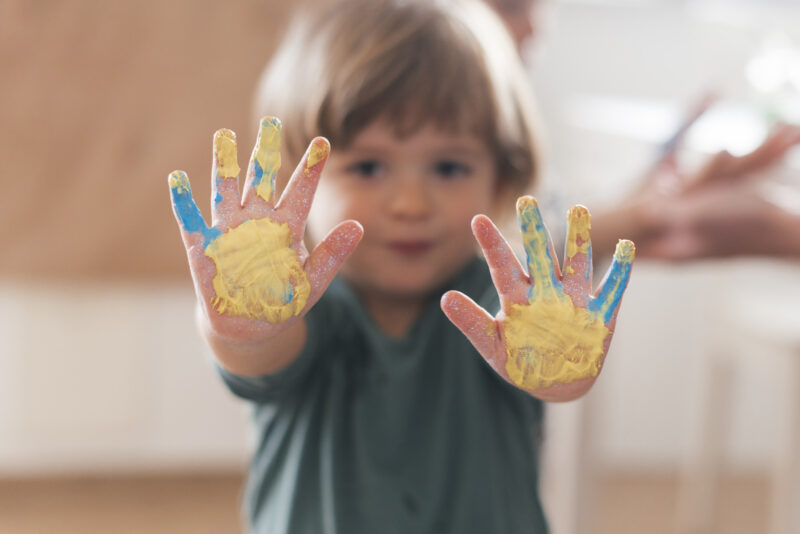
(449, 301)
(225, 153)
(318, 152)
(354, 230)
(578, 213)
(525, 202)
(269, 122)
(480, 223)
(625, 251)
(178, 180)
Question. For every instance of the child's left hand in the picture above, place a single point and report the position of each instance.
(551, 334)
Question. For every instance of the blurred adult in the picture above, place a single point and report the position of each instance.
(716, 211)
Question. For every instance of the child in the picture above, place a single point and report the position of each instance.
(374, 413)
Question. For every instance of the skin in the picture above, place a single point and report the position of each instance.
(573, 327)
(416, 196)
(244, 342)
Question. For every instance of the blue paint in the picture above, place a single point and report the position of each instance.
(608, 298)
(532, 216)
(218, 197)
(588, 273)
(288, 294)
(190, 217)
(259, 174)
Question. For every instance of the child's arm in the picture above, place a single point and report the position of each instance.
(551, 334)
(253, 276)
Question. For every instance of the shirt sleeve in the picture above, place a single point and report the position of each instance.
(294, 377)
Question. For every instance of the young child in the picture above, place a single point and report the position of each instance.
(374, 413)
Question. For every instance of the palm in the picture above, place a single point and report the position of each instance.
(251, 269)
(551, 334)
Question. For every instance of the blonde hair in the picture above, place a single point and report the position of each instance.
(413, 62)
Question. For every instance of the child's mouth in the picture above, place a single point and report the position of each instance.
(410, 248)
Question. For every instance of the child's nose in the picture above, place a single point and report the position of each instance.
(410, 199)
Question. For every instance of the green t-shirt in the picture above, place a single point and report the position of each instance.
(364, 433)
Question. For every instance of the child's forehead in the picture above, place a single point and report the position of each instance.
(426, 136)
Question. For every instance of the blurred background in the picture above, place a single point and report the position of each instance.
(112, 418)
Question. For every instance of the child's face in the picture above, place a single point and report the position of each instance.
(415, 197)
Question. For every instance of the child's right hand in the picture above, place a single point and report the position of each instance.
(252, 272)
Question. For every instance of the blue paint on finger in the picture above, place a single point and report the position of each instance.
(186, 209)
(608, 298)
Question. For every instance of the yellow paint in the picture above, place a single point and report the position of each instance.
(578, 231)
(540, 264)
(625, 251)
(256, 270)
(268, 155)
(179, 181)
(316, 153)
(552, 342)
(225, 150)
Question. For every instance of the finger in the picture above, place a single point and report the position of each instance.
(329, 255)
(264, 162)
(578, 256)
(476, 324)
(224, 185)
(609, 295)
(770, 151)
(542, 267)
(717, 167)
(296, 198)
(507, 274)
(185, 209)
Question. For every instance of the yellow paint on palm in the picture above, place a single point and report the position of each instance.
(552, 342)
(258, 275)
(225, 151)
(268, 156)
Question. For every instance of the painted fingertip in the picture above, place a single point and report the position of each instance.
(625, 251)
(526, 202)
(268, 144)
(225, 152)
(578, 212)
(179, 182)
(578, 231)
(318, 152)
(267, 157)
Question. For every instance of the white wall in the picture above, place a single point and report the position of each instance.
(96, 377)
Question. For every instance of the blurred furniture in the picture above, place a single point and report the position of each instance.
(747, 322)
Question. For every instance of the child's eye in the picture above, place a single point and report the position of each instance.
(366, 168)
(452, 169)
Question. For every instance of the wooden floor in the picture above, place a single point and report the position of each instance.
(210, 504)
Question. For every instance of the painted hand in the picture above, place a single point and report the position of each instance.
(251, 270)
(551, 335)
